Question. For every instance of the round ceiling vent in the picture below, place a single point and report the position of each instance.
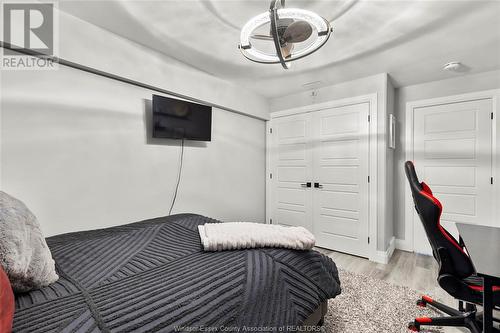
(283, 35)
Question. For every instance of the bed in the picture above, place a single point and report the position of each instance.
(153, 276)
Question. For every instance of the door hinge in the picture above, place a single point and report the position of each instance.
(492, 116)
(368, 118)
(491, 180)
(368, 179)
(271, 130)
(368, 240)
(271, 176)
(270, 221)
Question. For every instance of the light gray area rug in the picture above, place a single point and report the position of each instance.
(370, 305)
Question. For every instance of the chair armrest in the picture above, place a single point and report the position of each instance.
(451, 284)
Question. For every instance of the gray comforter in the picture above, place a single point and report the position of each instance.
(153, 276)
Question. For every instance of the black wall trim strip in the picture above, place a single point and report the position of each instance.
(111, 76)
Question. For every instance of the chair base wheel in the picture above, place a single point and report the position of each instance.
(421, 303)
(414, 327)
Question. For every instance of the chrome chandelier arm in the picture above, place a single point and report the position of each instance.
(273, 14)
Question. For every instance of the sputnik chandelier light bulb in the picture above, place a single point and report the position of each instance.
(294, 32)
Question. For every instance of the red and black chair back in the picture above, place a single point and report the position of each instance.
(450, 253)
(456, 272)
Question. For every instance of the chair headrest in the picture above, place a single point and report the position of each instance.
(419, 189)
(412, 176)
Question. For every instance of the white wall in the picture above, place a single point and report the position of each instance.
(380, 85)
(364, 86)
(92, 46)
(455, 85)
(75, 149)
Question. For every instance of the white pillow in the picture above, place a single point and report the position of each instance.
(24, 254)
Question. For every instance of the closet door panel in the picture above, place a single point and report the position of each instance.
(452, 147)
(340, 167)
(291, 165)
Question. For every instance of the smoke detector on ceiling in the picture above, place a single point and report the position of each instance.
(454, 66)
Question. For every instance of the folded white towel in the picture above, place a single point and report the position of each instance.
(245, 235)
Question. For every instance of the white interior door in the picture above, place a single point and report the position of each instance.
(341, 166)
(291, 165)
(452, 147)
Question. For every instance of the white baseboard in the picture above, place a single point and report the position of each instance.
(383, 257)
(404, 245)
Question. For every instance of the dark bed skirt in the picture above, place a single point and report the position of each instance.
(316, 318)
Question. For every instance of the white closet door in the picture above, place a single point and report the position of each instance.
(291, 165)
(341, 165)
(452, 147)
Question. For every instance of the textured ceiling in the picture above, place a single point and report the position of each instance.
(410, 40)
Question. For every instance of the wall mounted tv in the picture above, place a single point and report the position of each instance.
(177, 119)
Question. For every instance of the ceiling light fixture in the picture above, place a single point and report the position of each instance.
(295, 32)
(454, 66)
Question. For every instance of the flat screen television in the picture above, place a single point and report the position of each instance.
(177, 119)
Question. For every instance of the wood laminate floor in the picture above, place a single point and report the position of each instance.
(413, 270)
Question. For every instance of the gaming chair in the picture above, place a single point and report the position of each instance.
(456, 275)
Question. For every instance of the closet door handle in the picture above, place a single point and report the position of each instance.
(318, 185)
(308, 184)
